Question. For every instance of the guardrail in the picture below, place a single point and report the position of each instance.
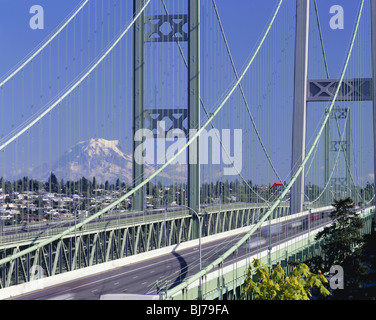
(216, 282)
(48, 229)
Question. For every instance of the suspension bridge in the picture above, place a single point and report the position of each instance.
(138, 159)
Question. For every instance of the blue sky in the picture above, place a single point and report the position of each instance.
(243, 21)
(20, 39)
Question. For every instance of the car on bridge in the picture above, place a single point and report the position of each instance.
(272, 230)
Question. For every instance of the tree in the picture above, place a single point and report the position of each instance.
(8, 189)
(62, 187)
(52, 185)
(368, 290)
(95, 186)
(118, 184)
(279, 286)
(341, 244)
(342, 239)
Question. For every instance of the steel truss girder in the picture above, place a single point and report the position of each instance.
(94, 247)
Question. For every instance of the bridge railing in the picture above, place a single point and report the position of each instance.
(37, 231)
(226, 281)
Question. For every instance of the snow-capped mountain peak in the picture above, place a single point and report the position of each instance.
(103, 159)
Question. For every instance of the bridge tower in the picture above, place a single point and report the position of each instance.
(319, 90)
(373, 88)
(140, 38)
(300, 105)
(342, 184)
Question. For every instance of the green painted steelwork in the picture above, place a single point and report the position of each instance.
(56, 253)
(138, 102)
(32, 122)
(44, 45)
(226, 282)
(233, 249)
(114, 239)
(194, 109)
(158, 171)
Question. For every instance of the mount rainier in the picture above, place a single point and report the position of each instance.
(105, 160)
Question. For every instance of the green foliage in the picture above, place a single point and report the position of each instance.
(342, 244)
(343, 238)
(277, 285)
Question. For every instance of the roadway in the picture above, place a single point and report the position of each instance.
(140, 278)
(114, 215)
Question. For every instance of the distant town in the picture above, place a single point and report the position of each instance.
(27, 201)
